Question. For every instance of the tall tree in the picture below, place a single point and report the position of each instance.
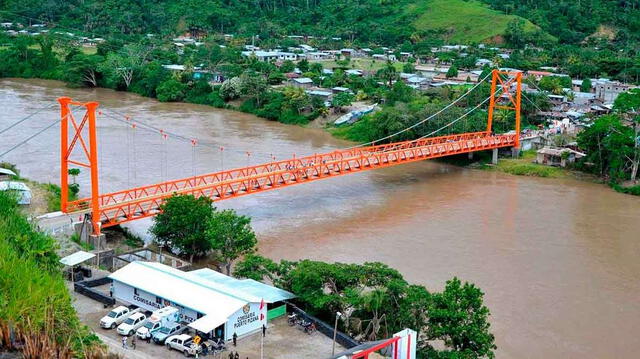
(182, 225)
(230, 236)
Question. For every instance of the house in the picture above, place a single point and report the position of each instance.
(341, 89)
(307, 48)
(268, 56)
(561, 157)
(484, 62)
(556, 99)
(538, 75)
(354, 72)
(607, 91)
(317, 55)
(303, 82)
(174, 67)
(348, 52)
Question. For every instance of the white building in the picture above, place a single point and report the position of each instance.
(267, 56)
(209, 301)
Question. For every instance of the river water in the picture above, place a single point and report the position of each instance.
(558, 260)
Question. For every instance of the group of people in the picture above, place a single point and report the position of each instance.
(133, 342)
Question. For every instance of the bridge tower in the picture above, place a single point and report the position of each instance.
(88, 142)
(506, 97)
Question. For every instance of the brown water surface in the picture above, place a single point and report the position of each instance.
(557, 259)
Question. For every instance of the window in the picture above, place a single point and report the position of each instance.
(135, 291)
(158, 300)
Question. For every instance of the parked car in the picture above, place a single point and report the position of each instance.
(160, 318)
(116, 316)
(163, 333)
(183, 343)
(131, 324)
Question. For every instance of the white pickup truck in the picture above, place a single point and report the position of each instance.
(116, 316)
(131, 324)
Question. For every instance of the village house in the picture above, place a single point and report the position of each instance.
(538, 75)
(303, 82)
(557, 156)
(268, 56)
(607, 91)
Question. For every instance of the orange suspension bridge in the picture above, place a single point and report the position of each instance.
(110, 209)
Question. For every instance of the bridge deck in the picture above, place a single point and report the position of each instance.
(128, 205)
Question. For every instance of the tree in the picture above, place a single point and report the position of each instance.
(287, 66)
(83, 70)
(296, 98)
(628, 104)
(74, 172)
(586, 85)
(126, 62)
(388, 73)
(342, 99)
(254, 86)
(303, 65)
(408, 68)
(230, 236)
(316, 67)
(171, 90)
(182, 225)
(452, 72)
(231, 88)
(514, 34)
(276, 78)
(459, 318)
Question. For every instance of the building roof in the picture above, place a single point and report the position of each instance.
(246, 289)
(178, 287)
(76, 258)
(303, 80)
(559, 151)
(6, 171)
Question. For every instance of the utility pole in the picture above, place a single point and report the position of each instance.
(335, 333)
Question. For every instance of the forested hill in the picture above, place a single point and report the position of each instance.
(383, 22)
(387, 22)
(572, 21)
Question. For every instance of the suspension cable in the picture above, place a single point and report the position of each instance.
(34, 135)
(426, 119)
(25, 118)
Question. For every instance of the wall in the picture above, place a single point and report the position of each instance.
(246, 320)
(147, 301)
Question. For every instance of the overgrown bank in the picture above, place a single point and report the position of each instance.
(35, 304)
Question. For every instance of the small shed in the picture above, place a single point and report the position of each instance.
(6, 174)
(557, 156)
(23, 192)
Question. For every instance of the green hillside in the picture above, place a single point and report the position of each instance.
(462, 21)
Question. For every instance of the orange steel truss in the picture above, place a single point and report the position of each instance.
(90, 153)
(123, 206)
(503, 99)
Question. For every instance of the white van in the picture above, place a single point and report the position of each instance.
(160, 318)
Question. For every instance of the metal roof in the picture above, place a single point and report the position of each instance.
(16, 186)
(178, 287)
(76, 258)
(247, 289)
(6, 171)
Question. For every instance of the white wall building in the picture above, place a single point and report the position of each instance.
(209, 302)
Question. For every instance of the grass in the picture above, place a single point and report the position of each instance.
(523, 166)
(86, 246)
(34, 300)
(633, 190)
(465, 21)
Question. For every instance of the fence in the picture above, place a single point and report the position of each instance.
(86, 288)
(324, 328)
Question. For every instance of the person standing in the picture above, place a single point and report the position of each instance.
(235, 339)
(133, 342)
(124, 342)
(237, 356)
(264, 330)
(230, 355)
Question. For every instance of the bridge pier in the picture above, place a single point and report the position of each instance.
(515, 152)
(494, 156)
(84, 229)
(470, 155)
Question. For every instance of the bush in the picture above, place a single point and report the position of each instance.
(171, 90)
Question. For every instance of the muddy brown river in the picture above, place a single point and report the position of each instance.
(558, 260)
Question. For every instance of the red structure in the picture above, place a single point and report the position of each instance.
(128, 205)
